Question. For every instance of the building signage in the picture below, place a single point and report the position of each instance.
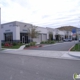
(24, 30)
(74, 30)
(7, 30)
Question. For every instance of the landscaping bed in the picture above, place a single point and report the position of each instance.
(11, 45)
(47, 42)
(76, 47)
(32, 45)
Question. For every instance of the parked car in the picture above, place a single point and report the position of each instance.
(70, 39)
(66, 40)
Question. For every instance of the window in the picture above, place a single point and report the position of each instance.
(8, 37)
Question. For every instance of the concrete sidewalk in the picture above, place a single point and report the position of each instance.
(74, 54)
(43, 53)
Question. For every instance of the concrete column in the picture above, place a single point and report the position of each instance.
(0, 27)
(16, 33)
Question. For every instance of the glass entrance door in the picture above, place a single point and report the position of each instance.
(24, 37)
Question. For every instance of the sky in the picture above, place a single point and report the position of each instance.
(44, 13)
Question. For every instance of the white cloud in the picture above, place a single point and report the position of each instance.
(46, 13)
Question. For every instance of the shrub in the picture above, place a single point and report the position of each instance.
(40, 45)
(8, 45)
(47, 42)
(27, 45)
(32, 43)
(52, 41)
(43, 42)
(2, 44)
(14, 43)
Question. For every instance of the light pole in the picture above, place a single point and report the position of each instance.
(0, 28)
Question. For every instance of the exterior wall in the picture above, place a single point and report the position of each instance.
(43, 35)
(55, 32)
(42, 31)
(38, 39)
(78, 33)
(24, 28)
(16, 34)
(19, 27)
(52, 31)
(6, 28)
(62, 33)
(68, 33)
(0, 28)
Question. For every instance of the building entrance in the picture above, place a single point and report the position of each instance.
(24, 37)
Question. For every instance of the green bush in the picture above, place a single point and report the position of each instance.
(43, 42)
(47, 42)
(27, 45)
(2, 44)
(52, 41)
(14, 43)
(32, 43)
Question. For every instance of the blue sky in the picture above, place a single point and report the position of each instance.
(45, 13)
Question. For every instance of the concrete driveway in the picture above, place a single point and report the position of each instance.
(64, 46)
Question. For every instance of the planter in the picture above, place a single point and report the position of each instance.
(40, 45)
(33, 47)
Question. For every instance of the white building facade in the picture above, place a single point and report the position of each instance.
(0, 27)
(78, 33)
(18, 32)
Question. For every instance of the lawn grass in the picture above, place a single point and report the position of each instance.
(13, 47)
(76, 47)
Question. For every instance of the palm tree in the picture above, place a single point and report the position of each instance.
(33, 33)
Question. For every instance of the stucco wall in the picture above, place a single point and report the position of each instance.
(0, 28)
(42, 31)
(6, 28)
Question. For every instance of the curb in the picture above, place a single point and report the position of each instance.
(74, 55)
(33, 47)
(71, 48)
